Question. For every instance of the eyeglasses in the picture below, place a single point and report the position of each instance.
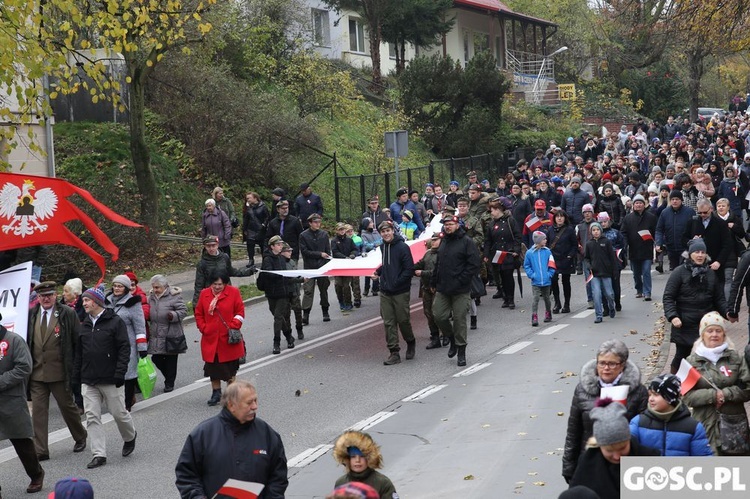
(703, 212)
(608, 365)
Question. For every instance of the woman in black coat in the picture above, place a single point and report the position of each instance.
(564, 246)
(691, 292)
(503, 234)
(610, 202)
(255, 216)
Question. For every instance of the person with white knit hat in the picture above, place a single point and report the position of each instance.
(724, 386)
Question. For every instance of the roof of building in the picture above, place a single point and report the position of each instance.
(498, 6)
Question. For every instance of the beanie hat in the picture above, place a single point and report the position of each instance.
(122, 279)
(640, 198)
(73, 488)
(712, 319)
(538, 237)
(651, 188)
(408, 214)
(96, 295)
(668, 386)
(596, 224)
(131, 275)
(696, 245)
(576, 179)
(675, 194)
(603, 217)
(587, 207)
(610, 422)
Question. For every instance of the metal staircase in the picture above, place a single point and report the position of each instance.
(533, 76)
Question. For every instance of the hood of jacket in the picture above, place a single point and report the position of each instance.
(631, 376)
(364, 443)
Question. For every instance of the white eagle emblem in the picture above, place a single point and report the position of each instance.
(24, 210)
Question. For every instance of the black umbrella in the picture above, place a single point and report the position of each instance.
(520, 281)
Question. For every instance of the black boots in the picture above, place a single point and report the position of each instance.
(394, 358)
(461, 361)
(473, 322)
(276, 346)
(434, 342)
(498, 294)
(326, 317)
(306, 317)
(556, 309)
(566, 307)
(215, 397)
(410, 349)
(289, 339)
(300, 334)
(453, 349)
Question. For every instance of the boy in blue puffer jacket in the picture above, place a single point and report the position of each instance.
(539, 265)
(666, 425)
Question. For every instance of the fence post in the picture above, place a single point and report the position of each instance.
(431, 172)
(453, 170)
(336, 186)
(363, 201)
(387, 178)
(408, 179)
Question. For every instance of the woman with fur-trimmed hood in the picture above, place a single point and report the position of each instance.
(361, 457)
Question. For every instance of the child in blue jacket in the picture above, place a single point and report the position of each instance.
(539, 265)
(666, 425)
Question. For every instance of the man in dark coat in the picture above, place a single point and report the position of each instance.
(307, 203)
(286, 226)
(670, 228)
(457, 264)
(15, 421)
(573, 200)
(715, 233)
(53, 331)
(278, 291)
(235, 444)
(105, 346)
(639, 229)
(212, 260)
(315, 249)
(394, 275)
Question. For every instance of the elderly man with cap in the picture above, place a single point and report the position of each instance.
(639, 229)
(403, 203)
(307, 203)
(540, 220)
(215, 221)
(458, 262)
(394, 275)
(105, 346)
(599, 466)
(53, 331)
(671, 227)
(15, 421)
(212, 260)
(315, 249)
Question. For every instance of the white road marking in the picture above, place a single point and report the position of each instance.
(309, 456)
(515, 348)
(552, 329)
(425, 392)
(472, 369)
(371, 421)
(584, 314)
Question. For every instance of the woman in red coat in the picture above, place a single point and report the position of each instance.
(219, 308)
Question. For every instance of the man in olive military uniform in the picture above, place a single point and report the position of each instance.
(53, 331)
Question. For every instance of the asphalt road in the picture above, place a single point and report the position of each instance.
(495, 430)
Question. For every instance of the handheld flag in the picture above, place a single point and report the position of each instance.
(688, 375)
(618, 252)
(33, 211)
(645, 235)
(500, 256)
(239, 489)
(551, 262)
(533, 223)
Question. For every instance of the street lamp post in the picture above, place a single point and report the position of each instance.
(535, 90)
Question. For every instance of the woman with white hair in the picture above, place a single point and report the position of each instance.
(215, 222)
(71, 297)
(167, 338)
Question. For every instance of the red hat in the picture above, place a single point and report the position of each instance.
(132, 276)
(607, 176)
(539, 204)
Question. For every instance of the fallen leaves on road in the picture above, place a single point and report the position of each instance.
(539, 484)
(485, 426)
(560, 413)
(469, 477)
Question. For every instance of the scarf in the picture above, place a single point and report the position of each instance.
(215, 300)
(711, 354)
(697, 270)
(667, 415)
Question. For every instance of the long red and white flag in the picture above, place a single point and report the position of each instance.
(500, 256)
(533, 223)
(240, 489)
(688, 375)
(34, 210)
(645, 235)
(551, 262)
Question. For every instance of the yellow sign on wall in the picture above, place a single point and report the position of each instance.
(567, 91)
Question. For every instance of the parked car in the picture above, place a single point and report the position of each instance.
(706, 113)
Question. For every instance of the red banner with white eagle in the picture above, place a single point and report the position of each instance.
(34, 210)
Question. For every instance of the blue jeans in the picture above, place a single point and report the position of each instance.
(596, 289)
(641, 276)
(586, 272)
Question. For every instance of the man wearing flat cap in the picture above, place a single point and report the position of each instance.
(214, 260)
(472, 178)
(307, 203)
(53, 332)
(286, 226)
(315, 249)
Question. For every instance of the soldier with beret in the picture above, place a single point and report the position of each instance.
(53, 331)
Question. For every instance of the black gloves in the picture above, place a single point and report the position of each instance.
(143, 354)
(119, 382)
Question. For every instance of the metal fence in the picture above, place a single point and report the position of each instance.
(352, 191)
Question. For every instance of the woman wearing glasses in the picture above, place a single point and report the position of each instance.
(611, 367)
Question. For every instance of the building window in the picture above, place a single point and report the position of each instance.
(321, 28)
(481, 43)
(467, 48)
(357, 36)
(391, 50)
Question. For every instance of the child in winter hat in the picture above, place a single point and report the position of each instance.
(361, 457)
(540, 267)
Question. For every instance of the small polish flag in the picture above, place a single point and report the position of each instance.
(688, 375)
(591, 276)
(499, 256)
(240, 490)
(618, 393)
(551, 262)
(618, 252)
(645, 235)
(533, 223)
